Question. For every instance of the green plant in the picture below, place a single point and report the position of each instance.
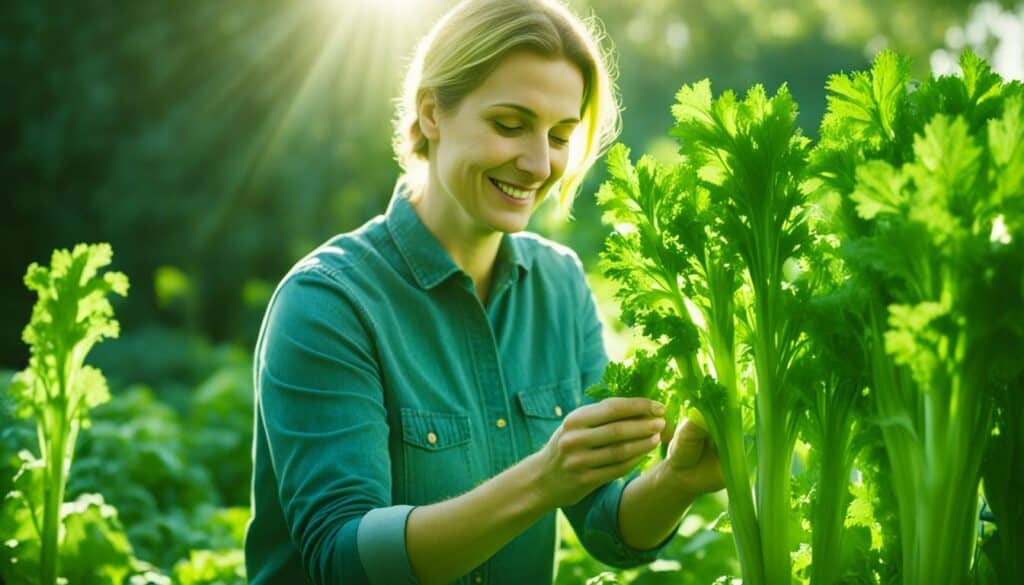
(700, 250)
(926, 191)
(833, 387)
(211, 567)
(94, 549)
(57, 389)
(866, 293)
(137, 454)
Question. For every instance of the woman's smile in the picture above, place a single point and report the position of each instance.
(512, 194)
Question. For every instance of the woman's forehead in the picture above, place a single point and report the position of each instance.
(549, 88)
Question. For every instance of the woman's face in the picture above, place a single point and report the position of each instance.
(496, 156)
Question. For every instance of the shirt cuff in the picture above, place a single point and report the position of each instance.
(381, 546)
(607, 537)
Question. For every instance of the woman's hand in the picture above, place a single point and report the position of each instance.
(597, 443)
(692, 459)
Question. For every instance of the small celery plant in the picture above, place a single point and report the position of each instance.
(72, 314)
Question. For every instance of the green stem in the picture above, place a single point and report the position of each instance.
(774, 460)
(745, 528)
(53, 490)
(943, 552)
(773, 506)
(62, 433)
(829, 511)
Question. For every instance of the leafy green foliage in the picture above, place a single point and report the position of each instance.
(159, 469)
(57, 389)
(71, 315)
(16, 435)
(93, 549)
(138, 452)
(935, 183)
(175, 476)
(639, 377)
(881, 323)
(208, 566)
(834, 394)
(137, 456)
(700, 253)
(96, 550)
(20, 517)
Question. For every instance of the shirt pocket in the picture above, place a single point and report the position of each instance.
(545, 406)
(436, 448)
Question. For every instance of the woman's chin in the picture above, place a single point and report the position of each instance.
(509, 225)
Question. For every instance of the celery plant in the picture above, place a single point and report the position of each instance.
(931, 189)
(699, 248)
(658, 244)
(752, 158)
(57, 389)
(912, 341)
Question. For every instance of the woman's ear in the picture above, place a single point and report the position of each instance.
(426, 110)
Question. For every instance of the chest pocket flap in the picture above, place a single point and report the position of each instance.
(552, 401)
(544, 407)
(434, 431)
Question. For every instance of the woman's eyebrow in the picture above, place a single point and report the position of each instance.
(530, 113)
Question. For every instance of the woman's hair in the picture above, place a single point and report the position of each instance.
(469, 42)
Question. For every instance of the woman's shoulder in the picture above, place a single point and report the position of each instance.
(549, 259)
(535, 249)
(552, 262)
(342, 260)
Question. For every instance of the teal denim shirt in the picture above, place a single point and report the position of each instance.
(382, 383)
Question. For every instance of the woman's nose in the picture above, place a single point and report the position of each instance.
(535, 160)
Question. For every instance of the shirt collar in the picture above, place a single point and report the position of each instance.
(428, 261)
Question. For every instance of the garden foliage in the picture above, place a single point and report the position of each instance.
(862, 297)
(57, 390)
(173, 484)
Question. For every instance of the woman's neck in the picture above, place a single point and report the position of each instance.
(471, 248)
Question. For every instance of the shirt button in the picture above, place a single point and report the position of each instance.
(558, 411)
(432, 438)
(500, 423)
(478, 578)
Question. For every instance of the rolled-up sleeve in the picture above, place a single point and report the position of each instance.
(595, 518)
(321, 401)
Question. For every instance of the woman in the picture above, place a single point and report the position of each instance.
(420, 413)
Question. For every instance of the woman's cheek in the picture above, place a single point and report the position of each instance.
(500, 149)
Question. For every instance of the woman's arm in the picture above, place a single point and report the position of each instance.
(651, 509)
(653, 504)
(449, 539)
(595, 444)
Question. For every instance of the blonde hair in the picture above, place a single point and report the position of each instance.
(469, 42)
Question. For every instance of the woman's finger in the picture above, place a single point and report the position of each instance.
(612, 409)
(602, 475)
(617, 453)
(616, 432)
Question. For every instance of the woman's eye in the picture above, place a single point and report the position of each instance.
(507, 128)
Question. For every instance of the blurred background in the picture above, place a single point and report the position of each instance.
(213, 144)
